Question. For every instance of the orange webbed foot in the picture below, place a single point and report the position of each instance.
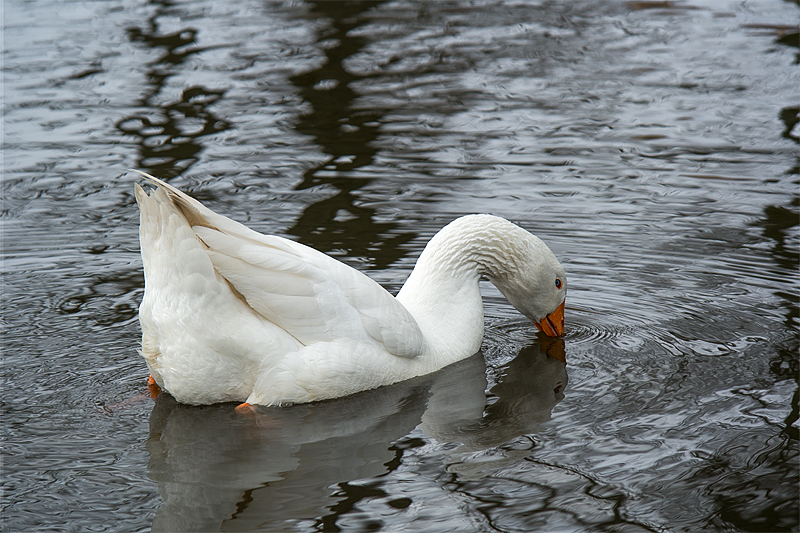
(155, 390)
(245, 409)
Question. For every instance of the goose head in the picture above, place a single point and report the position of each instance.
(531, 279)
(537, 287)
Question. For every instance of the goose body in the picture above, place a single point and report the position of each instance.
(230, 314)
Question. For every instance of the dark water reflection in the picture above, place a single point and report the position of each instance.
(217, 470)
(653, 145)
(170, 132)
(347, 136)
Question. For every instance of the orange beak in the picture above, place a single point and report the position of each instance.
(553, 324)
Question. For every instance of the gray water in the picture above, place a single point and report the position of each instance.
(652, 145)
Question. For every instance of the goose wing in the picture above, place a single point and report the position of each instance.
(312, 296)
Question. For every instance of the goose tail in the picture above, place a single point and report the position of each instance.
(196, 214)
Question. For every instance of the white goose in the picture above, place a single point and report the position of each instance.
(229, 314)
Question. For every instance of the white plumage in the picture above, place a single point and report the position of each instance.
(230, 314)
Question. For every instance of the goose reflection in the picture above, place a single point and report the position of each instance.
(533, 383)
(219, 471)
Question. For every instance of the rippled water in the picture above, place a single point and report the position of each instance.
(653, 145)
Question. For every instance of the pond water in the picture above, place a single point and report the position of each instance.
(652, 145)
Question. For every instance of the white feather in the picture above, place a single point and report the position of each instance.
(230, 314)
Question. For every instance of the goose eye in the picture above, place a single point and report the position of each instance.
(558, 283)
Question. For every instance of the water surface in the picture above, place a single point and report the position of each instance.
(652, 145)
